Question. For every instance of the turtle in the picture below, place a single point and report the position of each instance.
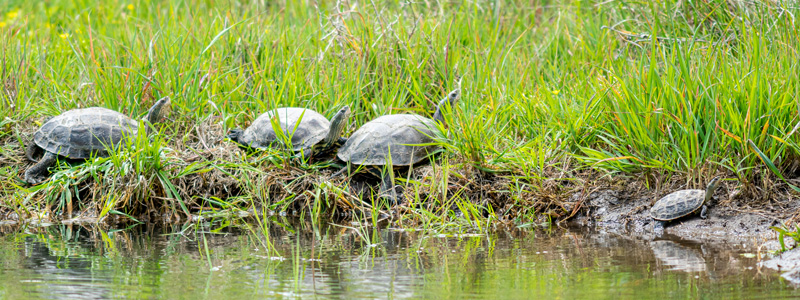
(313, 135)
(681, 203)
(394, 140)
(83, 133)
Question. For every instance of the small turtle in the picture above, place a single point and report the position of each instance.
(83, 133)
(315, 134)
(408, 137)
(682, 203)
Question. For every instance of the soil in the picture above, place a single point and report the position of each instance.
(609, 210)
(788, 263)
(738, 212)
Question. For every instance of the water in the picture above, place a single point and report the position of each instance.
(217, 262)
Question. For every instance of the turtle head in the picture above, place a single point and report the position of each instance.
(338, 122)
(712, 186)
(158, 111)
(235, 135)
(452, 98)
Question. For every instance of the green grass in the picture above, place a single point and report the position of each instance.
(675, 89)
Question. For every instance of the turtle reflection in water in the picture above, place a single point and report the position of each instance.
(679, 257)
(682, 203)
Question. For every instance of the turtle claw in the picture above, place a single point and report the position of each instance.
(33, 179)
(37, 173)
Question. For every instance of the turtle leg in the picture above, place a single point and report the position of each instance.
(36, 174)
(704, 212)
(32, 151)
(345, 169)
(339, 173)
(387, 183)
(658, 227)
(387, 186)
(308, 152)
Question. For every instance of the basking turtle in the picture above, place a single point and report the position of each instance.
(315, 134)
(408, 137)
(83, 133)
(682, 203)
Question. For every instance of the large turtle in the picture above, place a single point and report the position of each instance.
(314, 133)
(83, 133)
(682, 203)
(394, 140)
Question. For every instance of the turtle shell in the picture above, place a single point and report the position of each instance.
(312, 129)
(371, 143)
(677, 204)
(81, 133)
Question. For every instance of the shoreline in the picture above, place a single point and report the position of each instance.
(613, 203)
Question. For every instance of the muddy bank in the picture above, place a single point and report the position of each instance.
(788, 263)
(222, 177)
(627, 210)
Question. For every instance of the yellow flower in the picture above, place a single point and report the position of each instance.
(2, 24)
(555, 92)
(12, 14)
(130, 6)
(63, 35)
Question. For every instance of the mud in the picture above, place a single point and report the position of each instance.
(788, 263)
(606, 210)
(619, 211)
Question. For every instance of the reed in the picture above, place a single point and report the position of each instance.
(551, 91)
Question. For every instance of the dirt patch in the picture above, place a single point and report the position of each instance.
(788, 263)
(627, 209)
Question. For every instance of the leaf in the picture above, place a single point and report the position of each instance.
(171, 191)
(728, 133)
(781, 234)
(770, 165)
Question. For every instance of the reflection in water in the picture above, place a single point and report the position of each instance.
(71, 275)
(680, 258)
(339, 262)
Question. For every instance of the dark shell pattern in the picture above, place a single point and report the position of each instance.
(81, 133)
(312, 129)
(371, 143)
(677, 204)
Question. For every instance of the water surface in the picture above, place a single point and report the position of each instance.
(324, 262)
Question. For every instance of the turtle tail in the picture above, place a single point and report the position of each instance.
(33, 151)
(35, 174)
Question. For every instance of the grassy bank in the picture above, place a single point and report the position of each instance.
(555, 95)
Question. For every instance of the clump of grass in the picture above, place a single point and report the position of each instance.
(786, 231)
(552, 95)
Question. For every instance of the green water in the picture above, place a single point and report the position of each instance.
(324, 262)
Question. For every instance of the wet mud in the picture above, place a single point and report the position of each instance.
(788, 263)
(612, 211)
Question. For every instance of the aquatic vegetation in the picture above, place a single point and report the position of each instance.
(786, 231)
(554, 97)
